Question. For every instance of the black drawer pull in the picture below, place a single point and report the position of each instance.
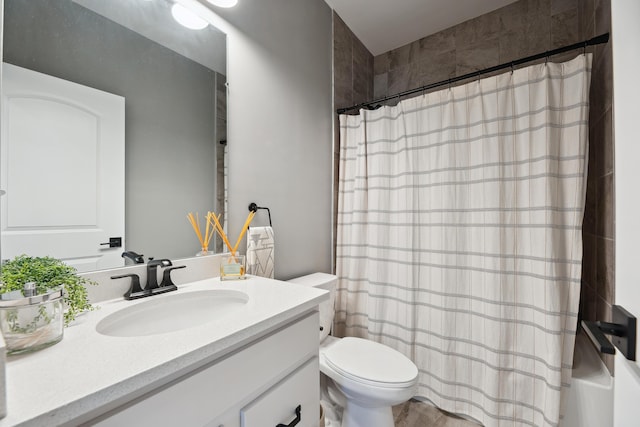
(294, 422)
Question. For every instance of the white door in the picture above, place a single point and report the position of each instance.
(62, 167)
(625, 15)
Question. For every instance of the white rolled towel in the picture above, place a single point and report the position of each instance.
(260, 252)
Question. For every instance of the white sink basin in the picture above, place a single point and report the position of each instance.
(170, 313)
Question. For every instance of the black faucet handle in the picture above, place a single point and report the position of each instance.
(135, 291)
(152, 268)
(166, 276)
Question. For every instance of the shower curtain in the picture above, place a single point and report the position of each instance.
(459, 237)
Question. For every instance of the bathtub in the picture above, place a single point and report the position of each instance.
(590, 397)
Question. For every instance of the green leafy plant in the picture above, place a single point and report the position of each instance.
(48, 273)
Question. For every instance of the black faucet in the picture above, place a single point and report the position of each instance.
(137, 259)
(152, 288)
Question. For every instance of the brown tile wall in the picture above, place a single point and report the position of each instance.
(352, 66)
(352, 84)
(520, 29)
(598, 231)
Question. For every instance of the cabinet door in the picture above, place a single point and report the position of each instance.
(278, 404)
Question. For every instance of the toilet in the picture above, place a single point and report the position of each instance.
(370, 377)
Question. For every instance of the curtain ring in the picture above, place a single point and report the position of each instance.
(546, 60)
(511, 67)
(584, 48)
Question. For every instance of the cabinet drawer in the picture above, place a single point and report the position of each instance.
(277, 405)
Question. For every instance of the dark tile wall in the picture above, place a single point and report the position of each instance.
(352, 65)
(352, 84)
(598, 231)
(520, 29)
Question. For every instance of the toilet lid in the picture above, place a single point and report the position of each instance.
(370, 362)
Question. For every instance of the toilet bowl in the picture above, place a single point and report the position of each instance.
(370, 377)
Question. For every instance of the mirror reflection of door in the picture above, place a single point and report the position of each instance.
(62, 170)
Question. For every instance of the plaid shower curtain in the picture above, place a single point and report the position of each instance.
(459, 237)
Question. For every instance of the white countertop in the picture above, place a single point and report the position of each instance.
(88, 373)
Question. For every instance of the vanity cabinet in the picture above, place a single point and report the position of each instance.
(258, 385)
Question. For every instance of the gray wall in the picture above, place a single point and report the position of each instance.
(170, 112)
(280, 125)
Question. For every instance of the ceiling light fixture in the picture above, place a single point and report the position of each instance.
(223, 3)
(187, 18)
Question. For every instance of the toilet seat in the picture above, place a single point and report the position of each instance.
(371, 363)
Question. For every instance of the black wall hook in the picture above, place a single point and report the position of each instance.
(254, 208)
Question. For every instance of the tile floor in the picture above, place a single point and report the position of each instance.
(418, 414)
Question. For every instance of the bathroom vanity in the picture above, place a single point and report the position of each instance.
(252, 365)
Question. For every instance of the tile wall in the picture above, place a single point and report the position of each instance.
(523, 28)
(352, 84)
(598, 231)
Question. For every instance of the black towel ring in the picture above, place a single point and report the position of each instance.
(254, 208)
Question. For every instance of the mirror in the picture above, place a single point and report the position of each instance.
(172, 82)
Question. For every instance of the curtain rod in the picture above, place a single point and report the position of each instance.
(604, 38)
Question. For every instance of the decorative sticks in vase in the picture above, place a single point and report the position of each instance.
(234, 266)
(216, 224)
(204, 241)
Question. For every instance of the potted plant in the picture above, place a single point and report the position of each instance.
(32, 318)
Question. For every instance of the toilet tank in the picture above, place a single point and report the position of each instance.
(327, 309)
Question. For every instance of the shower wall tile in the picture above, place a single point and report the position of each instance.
(605, 207)
(398, 80)
(399, 57)
(605, 272)
(590, 221)
(587, 18)
(380, 64)
(442, 68)
(513, 46)
(513, 17)
(594, 18)
(353, 67)
(588, 302)
(539, 6)
(538, 32)
(380, 85)
(601, 82)
(342, 63)
(564, 28)
(477, 56)
(603, 17)
(560, 6)
(604, 128)
(482, 28)
(437, 44)
(353, 70)
(362, 73)
(520, 29)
